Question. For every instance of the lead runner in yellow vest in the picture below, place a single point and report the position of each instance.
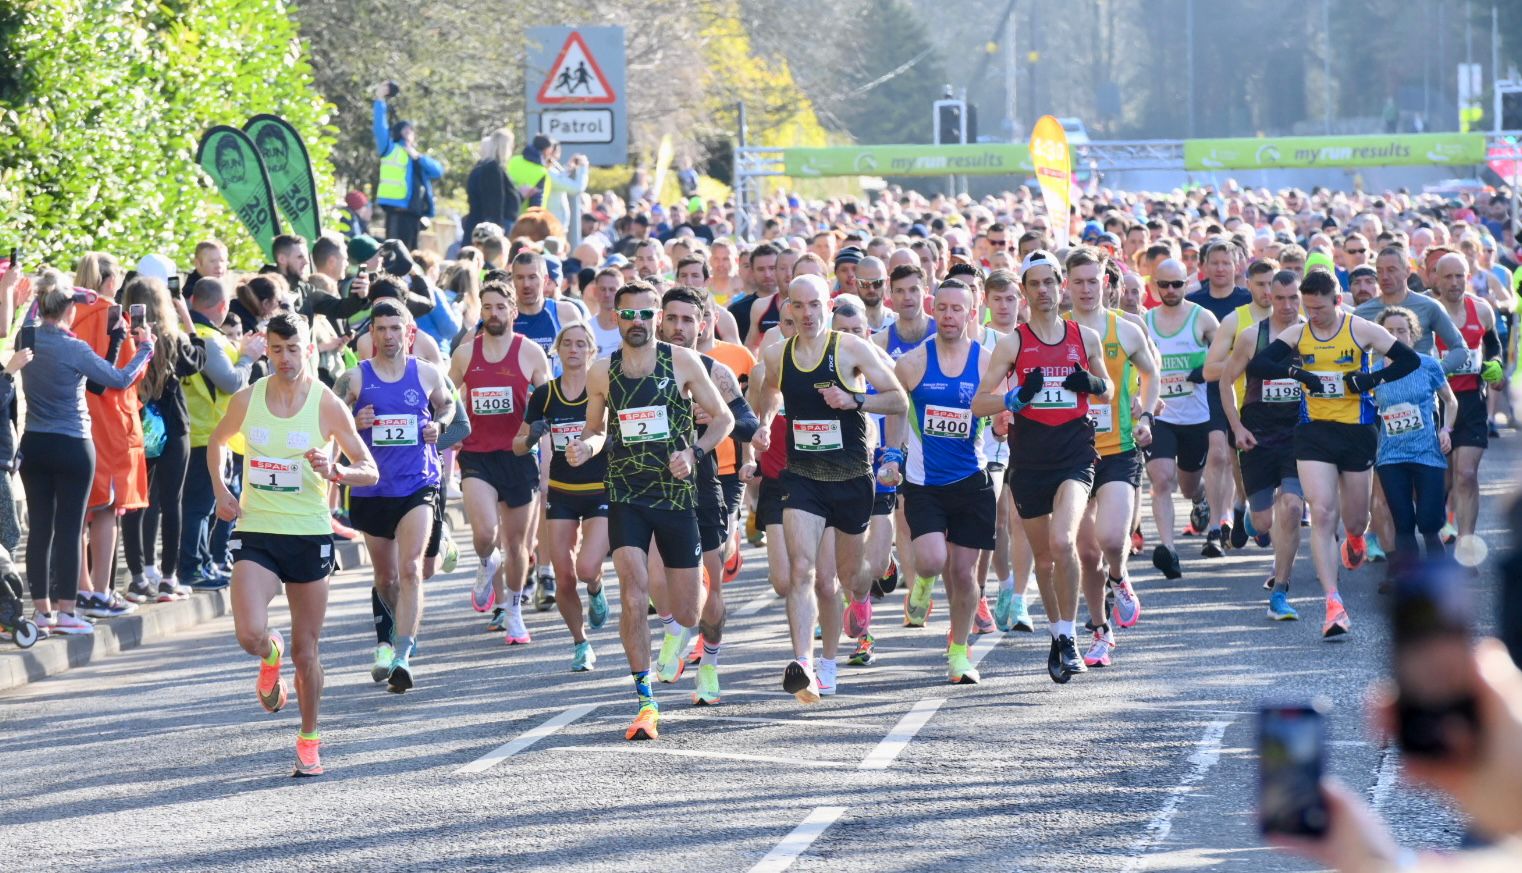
(283, 534)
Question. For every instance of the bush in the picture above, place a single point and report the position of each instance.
(102, 103)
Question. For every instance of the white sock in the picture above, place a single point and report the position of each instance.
(1007, 583)
(710, 654)
(670, 624)
(515, 603)
(1052, 628)
(1063, 628)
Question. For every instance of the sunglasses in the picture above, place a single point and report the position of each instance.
(636, 314)
(871, 283)
(1178, 283)
(1357, 251)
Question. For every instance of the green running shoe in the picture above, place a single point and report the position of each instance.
(707, 693)
(918, 602)
(584, 659)
(597, 609)
(382, 666)
(960, 670)
(670, 665)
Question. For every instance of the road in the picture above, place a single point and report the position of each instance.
(502, 759)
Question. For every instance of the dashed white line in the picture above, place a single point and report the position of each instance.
(1385, 778)
(757, 603)
(881, 758)
(699, 753)
(796, 843)
(985, 644)
(507, 750)
(1206, 753)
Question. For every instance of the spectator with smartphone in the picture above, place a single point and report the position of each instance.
(121, 466)
(167, 445)
(406, 174)
(58, 448)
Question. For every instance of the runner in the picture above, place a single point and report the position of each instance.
(283, 536)
(497, 371)
(756, 313)
(1057, 365)
(828, 476)
(948, 495)
(1011, 559)
(1104, 534)
(1335, 441)
(1263, 417)
(604, 320)
(732, 452)
(401, 404)
(1182, 332)
(649, 389)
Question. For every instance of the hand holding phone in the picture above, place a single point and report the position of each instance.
(1436, 714)
(27, 337)
(1291, 761)
(139, 314)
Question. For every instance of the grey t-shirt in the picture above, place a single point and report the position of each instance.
(54, 382)
(1434, 322)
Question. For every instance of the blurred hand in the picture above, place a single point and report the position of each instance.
(364, 417)
(143, 335)
(19, 358)
(227, 506)
(1356, 841)
(252, 346)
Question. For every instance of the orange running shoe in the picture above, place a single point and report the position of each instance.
(308, 761)
(696, 655)
(732, 567)
(271, 685)
(983, 621)
(1337, 621)
(646, 725)
(1354, 550)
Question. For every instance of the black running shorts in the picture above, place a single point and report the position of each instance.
(293, 559)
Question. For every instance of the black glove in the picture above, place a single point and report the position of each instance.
(1311, 381)
(395, 259)
(117, 334)
(1197, 375)
(1359, 382)
(537, 429)
(1083, 382)
(1031, 386)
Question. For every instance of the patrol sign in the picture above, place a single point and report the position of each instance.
(576, 80)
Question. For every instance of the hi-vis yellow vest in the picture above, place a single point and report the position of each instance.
(205, 403)
(393, 176)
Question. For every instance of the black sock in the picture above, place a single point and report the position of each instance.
(383, 620)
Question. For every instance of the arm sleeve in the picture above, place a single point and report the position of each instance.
(1403, 361)
(1457, 355)
(746, 423)
(1492, 344)
(1271, 363)
(537, 401)
(382, 129)
(457, 430)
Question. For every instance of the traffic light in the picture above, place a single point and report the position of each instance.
(949, 128)
(1511, 109)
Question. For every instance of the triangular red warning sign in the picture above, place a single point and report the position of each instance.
(575, 77)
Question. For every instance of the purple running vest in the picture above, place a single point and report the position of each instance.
(407, 464)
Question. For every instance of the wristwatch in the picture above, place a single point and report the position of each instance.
(860, 398)
(1150, 419)
(697, 454)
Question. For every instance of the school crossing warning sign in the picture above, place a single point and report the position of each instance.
(575, 77)
(576, 84)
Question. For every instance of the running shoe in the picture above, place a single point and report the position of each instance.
(1212, 547)
(1021, 620)
(707, 691)
(800, 682)
(1226, 531)
(1279, 608)
(381, 668)
(449, 553)
(1337, 621)
(71, 624)
(918, 602)
(1239, 533)
(1109, 604)
(732, 567)
(863, 656)
(483, 595)
(1376, 554)
(1199, 516)
(399, 679)
(544, 592)
(646, 725)
(1166, 561)
(1268, 584)
(1054, 665)
(1137, 542)
(983, 620)
(826, 676)
(670, 664)
(1247, 525)
(818, 632)
(172, 586)
(959, 669)
(696, 655)
(270, 686)
(1448, 533)
(1264, 540)
(1099, 651)
(597, 609)
(498, 621)
(753, 533)
(1305, 516)
(889, 581)
(858, 617)
(47, 624)
(516, 632)
(1353, 552)
(1004, 608)
(140, 590)
(1069, 655)
(584, 659)
(1127, 609)
(308, 758)
(102, 606)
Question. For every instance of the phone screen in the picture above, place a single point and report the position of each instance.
(113, 316)
(174, 284)
(1430, 628)
(139, 314)
(1291, 758)
(27, 338)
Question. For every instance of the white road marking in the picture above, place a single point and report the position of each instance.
(985, 644)
(757, 603)
(882, 757)
(1206, 753)
(502, 753)
(698, 753)
(690, 716)
(796, 843)
(1385, 778)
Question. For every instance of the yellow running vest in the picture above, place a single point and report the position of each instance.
(1329, 359)
(282, 494)
(1112, 418)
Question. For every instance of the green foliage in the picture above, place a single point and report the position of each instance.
(102, 103)
(897, 110)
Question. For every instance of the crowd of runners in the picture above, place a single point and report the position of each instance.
(885, 393)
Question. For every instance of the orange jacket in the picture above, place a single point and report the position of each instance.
(121, 465)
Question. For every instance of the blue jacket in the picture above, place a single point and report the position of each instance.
(432, 169)
(441, 323)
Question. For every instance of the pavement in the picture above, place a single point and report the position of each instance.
(501, 758)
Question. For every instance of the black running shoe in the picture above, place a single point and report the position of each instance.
(1166, 561)
(1054, 667)
(1199, 516)
(1239, 528)
(1212, 547)
(889, 582)
(1068, 652)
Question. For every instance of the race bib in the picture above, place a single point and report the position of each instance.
(1281, 391)
(1401, 418)
(1331, 385)
(946, 421)
(1471, 363)
(817, 436)
(562, 434)
(1054, 396)
(394, 430)
(643, 424)
(491, 401)
(1102, 415)
(274, 475)
(1176, 383)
